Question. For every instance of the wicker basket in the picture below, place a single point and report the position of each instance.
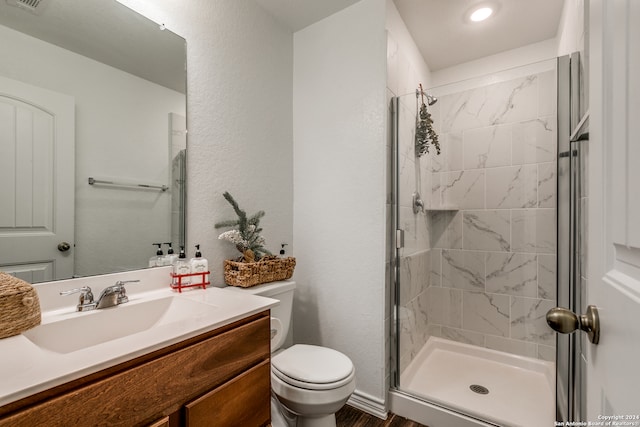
(268, 269)
(19, 306)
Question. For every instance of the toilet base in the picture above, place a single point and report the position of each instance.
(282, 417)
(326, 421)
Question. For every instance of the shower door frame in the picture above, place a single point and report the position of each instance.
(397, 239)
(573, 133)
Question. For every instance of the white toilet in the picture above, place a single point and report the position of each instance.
(311, 383)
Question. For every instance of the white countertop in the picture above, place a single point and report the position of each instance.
(27, 368)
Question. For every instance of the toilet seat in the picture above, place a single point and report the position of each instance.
(312, 367)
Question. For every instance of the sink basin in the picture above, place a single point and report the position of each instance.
(99, 326)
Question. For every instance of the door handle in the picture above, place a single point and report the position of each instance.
(566, 321)
(64, 246)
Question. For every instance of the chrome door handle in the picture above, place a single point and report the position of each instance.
(566, 321)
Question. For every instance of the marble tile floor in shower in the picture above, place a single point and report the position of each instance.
(498, 387)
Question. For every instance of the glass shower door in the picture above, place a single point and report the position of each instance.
(475, 245)
(412, 190)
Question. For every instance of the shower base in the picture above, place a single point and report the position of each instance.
(509, 391)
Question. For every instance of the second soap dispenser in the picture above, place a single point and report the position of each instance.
(199, 265)
(182, 267)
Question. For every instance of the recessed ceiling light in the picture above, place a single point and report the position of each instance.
(481, 14)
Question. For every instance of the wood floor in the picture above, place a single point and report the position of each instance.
(349, 416)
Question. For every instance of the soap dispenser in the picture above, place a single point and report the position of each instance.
(156, 260)
(199, 265)
(171, 257)
(182, 266)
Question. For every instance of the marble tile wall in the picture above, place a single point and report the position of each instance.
(492, 276)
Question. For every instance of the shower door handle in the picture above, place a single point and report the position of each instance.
(566, 321)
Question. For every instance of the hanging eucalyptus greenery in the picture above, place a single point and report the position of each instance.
(425, 135)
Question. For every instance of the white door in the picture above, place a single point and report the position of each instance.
(36, 182)
(613, 366)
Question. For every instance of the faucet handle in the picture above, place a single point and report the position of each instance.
(122, 292)
(85, 301)
(85, 292)
(123, 282)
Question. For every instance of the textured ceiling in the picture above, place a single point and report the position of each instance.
(297, 14)
(443, 35)
(445, 38)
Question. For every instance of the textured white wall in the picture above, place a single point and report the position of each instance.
(339, 188)
(240, 69)
(239, 103)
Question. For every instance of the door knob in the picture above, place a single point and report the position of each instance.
(566, 321)
(64, 246)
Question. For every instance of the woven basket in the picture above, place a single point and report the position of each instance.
(268, 269)
(19, 306)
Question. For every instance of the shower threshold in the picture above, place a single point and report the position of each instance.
(502, 388)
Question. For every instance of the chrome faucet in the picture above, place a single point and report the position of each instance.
(114, 295)
(109, 297)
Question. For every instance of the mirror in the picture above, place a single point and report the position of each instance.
(89, 89)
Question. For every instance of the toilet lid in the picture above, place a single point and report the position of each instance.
(312, 364)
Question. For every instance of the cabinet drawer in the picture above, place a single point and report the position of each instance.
(242, 402)
(146, 392)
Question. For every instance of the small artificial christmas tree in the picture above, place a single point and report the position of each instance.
(246, 237)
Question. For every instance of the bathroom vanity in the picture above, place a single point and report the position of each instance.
(209, 369)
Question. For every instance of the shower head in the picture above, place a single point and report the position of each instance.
(430, 99)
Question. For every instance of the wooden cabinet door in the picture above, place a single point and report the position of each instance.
(244, 401)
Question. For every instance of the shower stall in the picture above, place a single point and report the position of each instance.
(474, 246)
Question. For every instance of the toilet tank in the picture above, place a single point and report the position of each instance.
(280, 314)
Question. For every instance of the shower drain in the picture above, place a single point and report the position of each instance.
(479, 389)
